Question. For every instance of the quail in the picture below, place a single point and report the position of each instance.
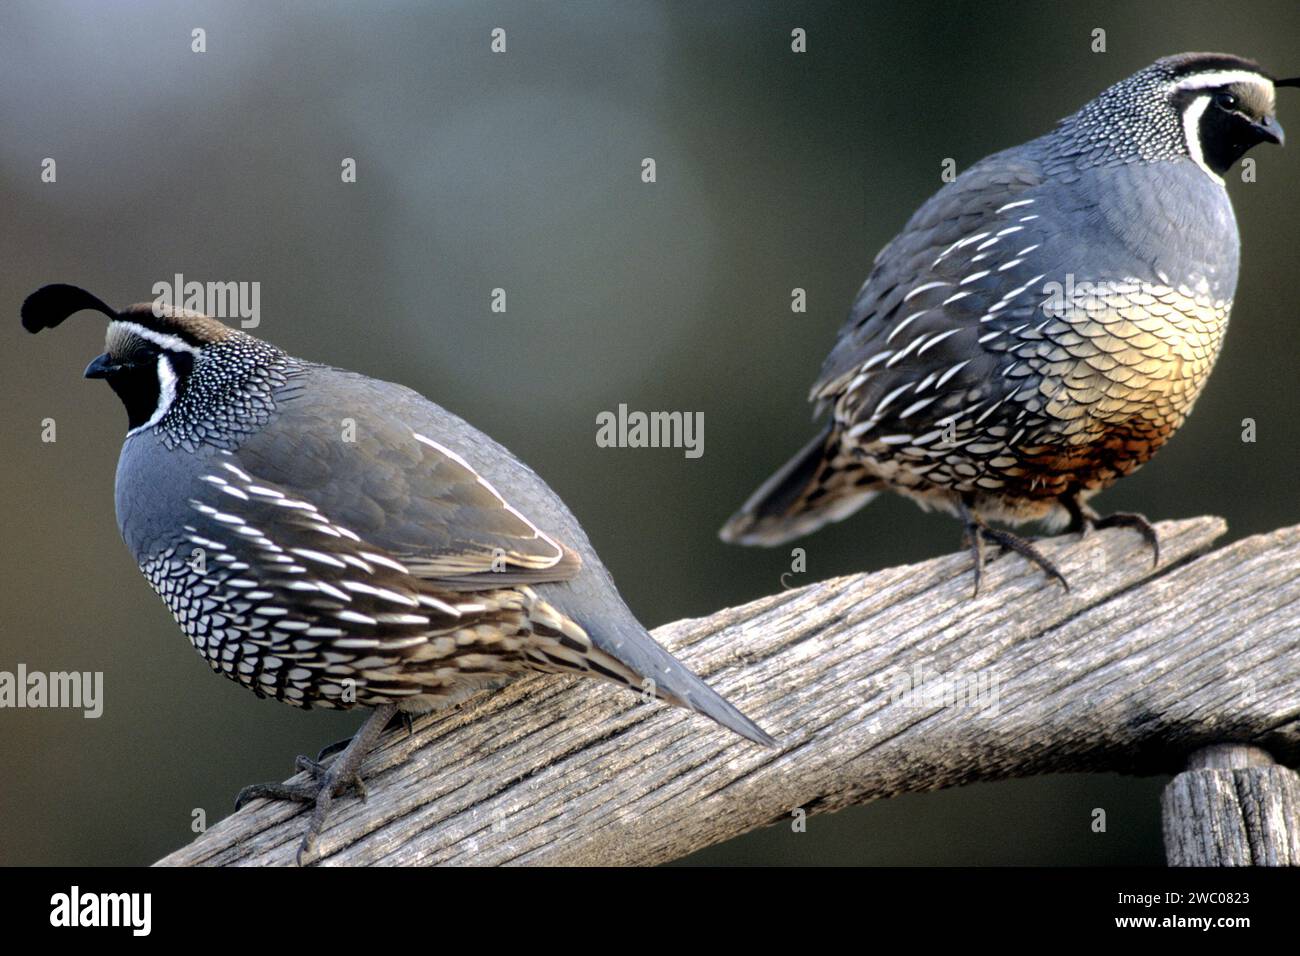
(330, 540)
(1042, 324)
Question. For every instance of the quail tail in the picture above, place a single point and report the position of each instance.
(614, 646)
(815, 487)
(628, 647)
(703, 699)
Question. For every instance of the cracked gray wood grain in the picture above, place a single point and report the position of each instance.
(1233, 807)
(1132, 670)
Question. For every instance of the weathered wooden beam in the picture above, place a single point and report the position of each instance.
(1233, 806)
(876, 684)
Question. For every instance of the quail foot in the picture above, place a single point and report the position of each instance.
(330, 540)
(1043, 324)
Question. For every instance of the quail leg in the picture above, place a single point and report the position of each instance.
(328, 782)
(977, 533)
(1083, 519)
(402, 718)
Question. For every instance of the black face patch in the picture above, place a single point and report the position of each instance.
(138, 385)
(1221, 123)
(1234, 121)
(145, 374)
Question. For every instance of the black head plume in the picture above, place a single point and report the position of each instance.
(154, 352)
(1293, 81)
(49, 305)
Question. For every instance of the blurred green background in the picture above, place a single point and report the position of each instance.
(522, 171)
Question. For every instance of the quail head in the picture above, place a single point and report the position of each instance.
(1042, 324)
(330, 540)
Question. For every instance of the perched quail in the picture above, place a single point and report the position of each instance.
(1043, 324)
(400, 567)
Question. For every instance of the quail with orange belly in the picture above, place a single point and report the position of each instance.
(330, 540)
(1043, 324)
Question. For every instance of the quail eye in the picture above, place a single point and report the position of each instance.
(1225, 101)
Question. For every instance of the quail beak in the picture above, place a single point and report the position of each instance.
(1270, 130)
(101, 366)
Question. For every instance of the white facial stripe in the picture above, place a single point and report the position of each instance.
(166, 394)
(173, 343)
(1205, 81)
(1192, 133)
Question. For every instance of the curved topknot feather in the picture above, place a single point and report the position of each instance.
(49, 305)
